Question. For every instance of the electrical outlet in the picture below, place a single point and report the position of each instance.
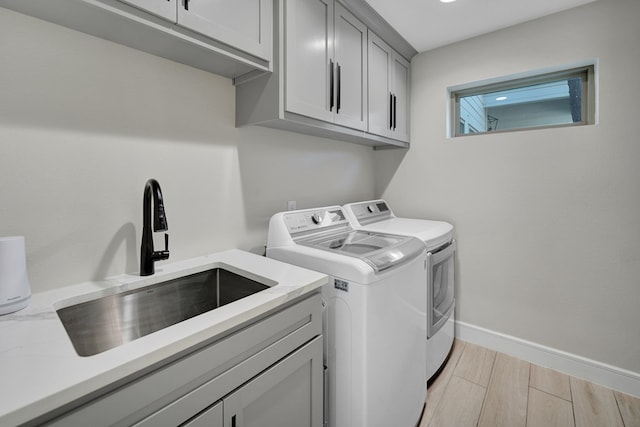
(291, 205)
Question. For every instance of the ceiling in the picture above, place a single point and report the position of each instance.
(427, 24)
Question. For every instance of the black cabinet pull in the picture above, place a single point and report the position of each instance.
(233, 421)
(330, 85)
(339, 89)
(390, 110)
(395, 111)
(186, 4)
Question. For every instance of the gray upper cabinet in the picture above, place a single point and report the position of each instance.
(325, 62)
(163, 8)
(243, 24)
(380, 101)
(229, 38)
(308, 57)
(350, 43)
(388, 91)
(400, 79)
(320, 81)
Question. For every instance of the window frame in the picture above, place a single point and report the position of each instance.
(587, 72)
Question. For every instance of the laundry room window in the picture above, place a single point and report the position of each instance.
(560, 98)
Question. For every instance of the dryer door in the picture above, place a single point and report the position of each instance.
(440, 286)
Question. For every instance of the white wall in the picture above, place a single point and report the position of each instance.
(85, 122)
(548, 221)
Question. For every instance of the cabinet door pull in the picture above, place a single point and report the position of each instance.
(390, 110)
(233, 421)
(330, 85)
(395, 111)
(186, 4)
(339, 89)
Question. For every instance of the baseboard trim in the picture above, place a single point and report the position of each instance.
(596, 372)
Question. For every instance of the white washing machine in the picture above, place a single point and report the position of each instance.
(374, 315)
(377, 216)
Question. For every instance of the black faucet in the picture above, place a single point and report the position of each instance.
(147, 255)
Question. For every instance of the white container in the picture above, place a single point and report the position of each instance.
(15, 290)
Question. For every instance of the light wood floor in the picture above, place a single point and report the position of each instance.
(479, 387)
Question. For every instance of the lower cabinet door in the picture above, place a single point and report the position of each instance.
(211, 417)
(289, 394)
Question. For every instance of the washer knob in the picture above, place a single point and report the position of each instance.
(371, 208)
(316, 218)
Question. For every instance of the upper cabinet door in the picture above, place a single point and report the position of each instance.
(388, 91)
(163, 8)
(243, 24)
(380, 95)
(400, 85)
(325, 62)
(308, 58)
(350, 70)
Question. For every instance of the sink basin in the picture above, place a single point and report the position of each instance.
(104, 323)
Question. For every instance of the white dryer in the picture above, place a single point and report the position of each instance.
(377, 216)
(374, 314)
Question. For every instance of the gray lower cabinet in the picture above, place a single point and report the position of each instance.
(269, 373)
(280, 397)
(212, 417)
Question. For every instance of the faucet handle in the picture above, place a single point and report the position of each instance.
(160, 255)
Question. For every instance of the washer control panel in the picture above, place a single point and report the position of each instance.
(367, 211)
(300, 221)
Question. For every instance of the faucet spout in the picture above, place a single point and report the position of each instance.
(148, 256)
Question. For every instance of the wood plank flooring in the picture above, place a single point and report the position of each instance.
(478, 387)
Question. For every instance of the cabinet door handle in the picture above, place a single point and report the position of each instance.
(233, 421)
(330, 85)
(186, 4)
(339, 89)
(395, 111)
(390, 110)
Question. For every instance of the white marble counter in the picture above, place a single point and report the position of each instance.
(41, 371)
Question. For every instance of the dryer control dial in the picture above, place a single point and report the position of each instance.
(316, 218)
(371, 208)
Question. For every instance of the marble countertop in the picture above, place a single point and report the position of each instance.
(41, 371)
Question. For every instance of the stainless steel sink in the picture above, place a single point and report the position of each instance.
(98, 325)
